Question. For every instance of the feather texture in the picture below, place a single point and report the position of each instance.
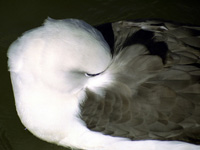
(150, 99)
(70, 91)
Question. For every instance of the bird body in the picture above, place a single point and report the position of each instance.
(70, 89)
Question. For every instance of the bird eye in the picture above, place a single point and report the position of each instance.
(92, 75)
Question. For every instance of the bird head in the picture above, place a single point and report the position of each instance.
(62, 54)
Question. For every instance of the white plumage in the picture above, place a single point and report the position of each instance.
(54, 65)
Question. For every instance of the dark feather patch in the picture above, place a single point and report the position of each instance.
(107, 32)
(147, 38)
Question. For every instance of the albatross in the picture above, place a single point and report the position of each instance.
(127, 85)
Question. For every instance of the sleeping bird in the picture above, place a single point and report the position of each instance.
(127, 85)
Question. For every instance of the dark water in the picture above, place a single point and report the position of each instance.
(19, 16)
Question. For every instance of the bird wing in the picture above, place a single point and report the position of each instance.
(155, 93)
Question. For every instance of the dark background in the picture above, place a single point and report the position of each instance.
(19, 16)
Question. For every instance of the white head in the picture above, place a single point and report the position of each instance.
(60, 54)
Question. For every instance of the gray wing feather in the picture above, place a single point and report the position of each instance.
(149, 99)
